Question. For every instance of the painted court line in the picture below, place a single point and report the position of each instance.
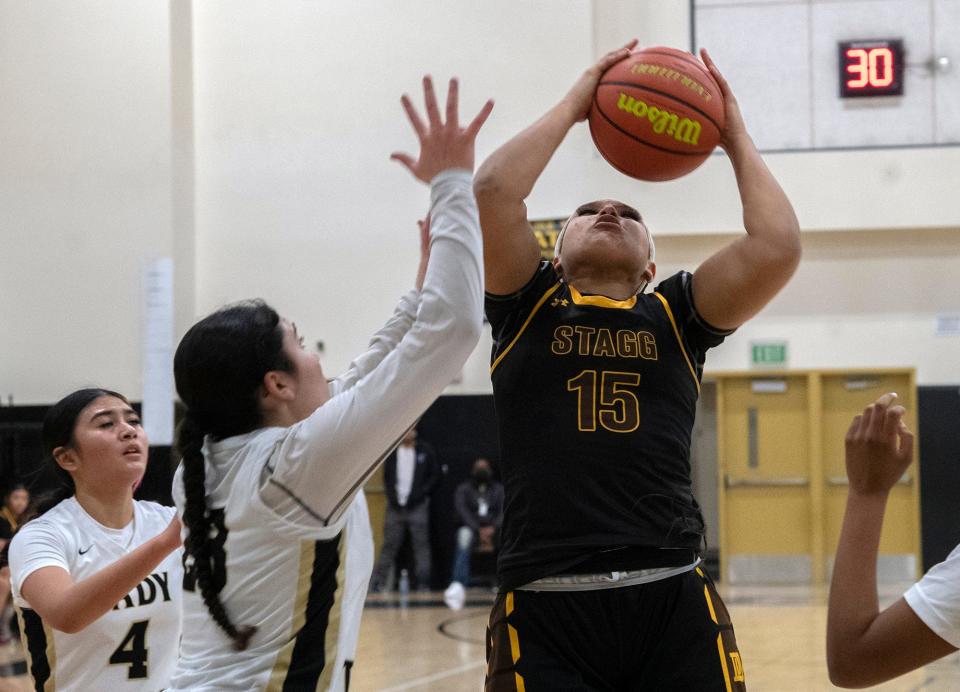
(410, 684)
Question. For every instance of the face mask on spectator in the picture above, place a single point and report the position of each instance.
(481, 475)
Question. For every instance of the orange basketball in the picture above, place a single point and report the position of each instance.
(657, 114)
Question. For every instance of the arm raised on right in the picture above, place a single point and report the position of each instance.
(867, 646)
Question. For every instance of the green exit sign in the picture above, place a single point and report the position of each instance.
(766, 354)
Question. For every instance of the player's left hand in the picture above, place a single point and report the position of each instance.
(443, 143)
(734, 129)
(879, 447)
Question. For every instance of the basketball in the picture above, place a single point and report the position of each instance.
(657, 114)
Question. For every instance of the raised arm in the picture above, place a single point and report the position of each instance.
(507, 177)
(70, 606)
(328, 456)
(387, 338)
(866, 646)
(734, 284)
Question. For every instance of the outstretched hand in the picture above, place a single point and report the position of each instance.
(879, 447)
(443, 145)
(733, 126)
(581, 94)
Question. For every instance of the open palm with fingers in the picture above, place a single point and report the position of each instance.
(443, 143)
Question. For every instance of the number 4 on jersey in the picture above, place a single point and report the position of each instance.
(133, 651)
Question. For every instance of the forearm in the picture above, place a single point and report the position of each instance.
(381, 344)
(854, 604)
(328, 456)
(85, 601)
(768, 215)
(510, 172)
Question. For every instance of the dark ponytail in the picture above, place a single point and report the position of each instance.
(58, 431)
(219, 368)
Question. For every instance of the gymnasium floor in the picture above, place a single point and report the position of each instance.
(418, 645)
(421, 646)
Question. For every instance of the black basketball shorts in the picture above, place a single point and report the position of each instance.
(671, 634)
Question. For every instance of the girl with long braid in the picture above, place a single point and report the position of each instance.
(273, 454)
(97, 575)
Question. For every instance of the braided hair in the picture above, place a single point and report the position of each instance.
(219, 368)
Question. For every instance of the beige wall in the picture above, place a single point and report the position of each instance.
(85, 189)
(250, 142)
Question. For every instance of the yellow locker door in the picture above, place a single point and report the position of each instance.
(765, 509)
(844, 396)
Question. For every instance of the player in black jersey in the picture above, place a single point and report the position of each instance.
(595, 383)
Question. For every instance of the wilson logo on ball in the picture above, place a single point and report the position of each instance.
(657, 114)
(663, 121)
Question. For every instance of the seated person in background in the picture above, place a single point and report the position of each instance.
(864, 645)
(479, 505)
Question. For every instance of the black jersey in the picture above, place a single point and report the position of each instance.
(595, 404)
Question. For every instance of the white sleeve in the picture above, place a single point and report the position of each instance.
(38, 544)
(382, 343)
(358, 567)
(936, 598)
(322, 461)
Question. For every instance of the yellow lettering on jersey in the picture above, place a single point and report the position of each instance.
(627, 344)
(648, 346)
(737, 666)
(562, 341)
(583, 347)
(604, 345)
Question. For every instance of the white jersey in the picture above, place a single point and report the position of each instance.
(277, 496)
(132, 647)
(936, 598)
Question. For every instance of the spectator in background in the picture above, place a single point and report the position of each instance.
(15, 503)
(410, 474)
(479, 505)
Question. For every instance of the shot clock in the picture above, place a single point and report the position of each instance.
(871, 68)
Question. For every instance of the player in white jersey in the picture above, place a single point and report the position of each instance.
(273, 453)
(97, 576)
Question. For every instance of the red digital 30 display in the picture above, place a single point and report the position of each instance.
(871, 68)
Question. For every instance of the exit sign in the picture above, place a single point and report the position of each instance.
(768, 354)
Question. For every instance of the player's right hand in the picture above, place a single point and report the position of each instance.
(879, 447)
(581, 94)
